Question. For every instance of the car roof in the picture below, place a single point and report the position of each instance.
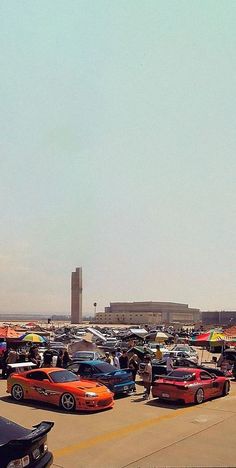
(47, 370)
(91, 363)
(194, 370)
(9, 430)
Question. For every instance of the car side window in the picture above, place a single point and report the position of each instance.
(85, 369)
(205, 376)
(38, 375)
(74, 368)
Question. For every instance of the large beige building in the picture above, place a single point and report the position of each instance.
(148, 313)
(76, 296)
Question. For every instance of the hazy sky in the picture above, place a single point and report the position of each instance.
(118, 152)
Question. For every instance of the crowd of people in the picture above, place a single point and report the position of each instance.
(12, 356)
(120, 360)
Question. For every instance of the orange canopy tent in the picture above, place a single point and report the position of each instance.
(8, 332)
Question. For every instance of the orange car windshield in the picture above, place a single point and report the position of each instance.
(63, 376)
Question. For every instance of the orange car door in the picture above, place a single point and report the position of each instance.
(37, 381)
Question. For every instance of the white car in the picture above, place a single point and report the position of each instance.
(186, 349)
(185, 355)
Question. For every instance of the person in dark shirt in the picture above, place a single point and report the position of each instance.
(124, 360)
(47, 358)
(134, 365)
(66, 359)
(60, 358)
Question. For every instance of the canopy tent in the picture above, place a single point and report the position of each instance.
(161, 336)
(230, 332)
(212, 336)
(83, 345)
(8, 332)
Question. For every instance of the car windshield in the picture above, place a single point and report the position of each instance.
(180, 374)
(105, 367)
(63, 376)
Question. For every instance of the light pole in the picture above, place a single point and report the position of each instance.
(95, 308)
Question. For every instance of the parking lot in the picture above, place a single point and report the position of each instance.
(136, 433)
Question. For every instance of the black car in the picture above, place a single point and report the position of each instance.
(160, 368)
(21, 447)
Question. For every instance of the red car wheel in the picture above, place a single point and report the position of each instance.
(199, 396)
(226, 388)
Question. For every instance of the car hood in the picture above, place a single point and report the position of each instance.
(83, 385)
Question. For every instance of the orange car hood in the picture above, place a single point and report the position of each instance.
(83, 385)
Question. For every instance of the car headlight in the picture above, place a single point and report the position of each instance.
(19, 463)
(90, 395)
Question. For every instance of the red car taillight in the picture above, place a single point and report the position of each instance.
(182, 387)
(116, 380)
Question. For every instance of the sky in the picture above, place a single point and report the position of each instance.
(118, 152)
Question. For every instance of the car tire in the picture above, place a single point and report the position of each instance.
(17, 392)
(199, 396)
(226, 389)
(67, 402)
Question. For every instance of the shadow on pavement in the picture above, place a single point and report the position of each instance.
(47, 407)
(174, 405)
(158, 403)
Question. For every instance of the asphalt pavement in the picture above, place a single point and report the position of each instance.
(136, 433)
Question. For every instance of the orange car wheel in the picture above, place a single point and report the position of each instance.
(17, 392)
(67, 402)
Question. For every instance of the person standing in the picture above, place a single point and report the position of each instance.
(107, 357)
(118, 352)
(124, 360)
(4, 364)
(133, 366)
(116, 362)
(47, 357)
(65, 359)
(158, 353)
(147, 377)
(169, 363)
(12, 358)
(60, 358)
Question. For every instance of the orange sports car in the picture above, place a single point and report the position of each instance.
(61, 388)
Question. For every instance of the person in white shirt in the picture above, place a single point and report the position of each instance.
(169, 363)
(116, 362)
(147, 376)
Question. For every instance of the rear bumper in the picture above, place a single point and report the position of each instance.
(172, 396)
(45, 462)
(123, 387)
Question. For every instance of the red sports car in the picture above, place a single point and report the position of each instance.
(190, 386)
(59, 387)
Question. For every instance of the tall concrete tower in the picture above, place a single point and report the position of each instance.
(76, 296)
